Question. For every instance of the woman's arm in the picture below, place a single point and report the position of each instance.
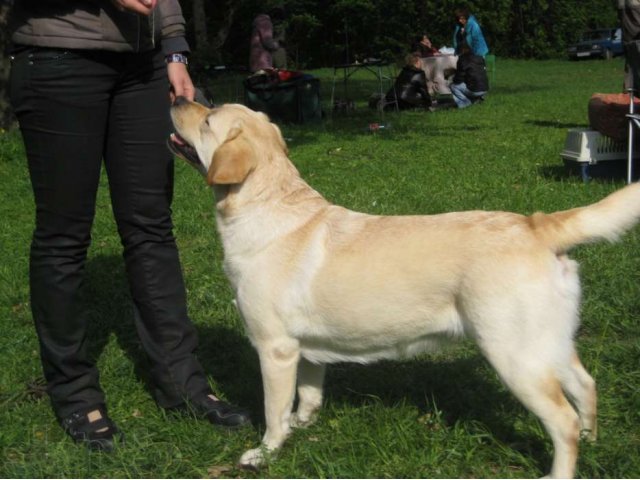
(143, 7)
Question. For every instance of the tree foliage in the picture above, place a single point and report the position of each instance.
(6, 118)
(326, 32)
(323, 33)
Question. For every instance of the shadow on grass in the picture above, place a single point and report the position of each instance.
(463, 390)
(225, 354)
(554, 124)
(231, 360)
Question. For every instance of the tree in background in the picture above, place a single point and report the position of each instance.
(6, 117)
(543, 28)
(334, 31)
(208, 29)
(328, 32)
(199, 20)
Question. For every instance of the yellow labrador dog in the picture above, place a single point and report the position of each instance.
(316, 283)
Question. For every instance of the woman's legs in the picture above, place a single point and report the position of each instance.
(140, 170)
(73, 109)
(61, 102)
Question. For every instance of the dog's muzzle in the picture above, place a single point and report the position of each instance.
(178, 146)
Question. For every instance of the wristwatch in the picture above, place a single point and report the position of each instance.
(177, 58)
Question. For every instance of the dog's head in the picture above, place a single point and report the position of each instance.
(225, 143)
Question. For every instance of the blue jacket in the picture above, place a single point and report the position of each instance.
(474, 37)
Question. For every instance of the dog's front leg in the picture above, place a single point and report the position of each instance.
(310, 379)
(278, 363)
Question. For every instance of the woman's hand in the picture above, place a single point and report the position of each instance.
(181, 84)
(143, 7)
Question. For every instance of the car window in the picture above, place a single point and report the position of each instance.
(599, 35)
(592, 35)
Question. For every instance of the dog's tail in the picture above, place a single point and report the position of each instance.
(605, 220)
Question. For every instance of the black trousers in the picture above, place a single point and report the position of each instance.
(77, 109)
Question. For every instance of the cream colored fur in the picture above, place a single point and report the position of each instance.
(316, 283)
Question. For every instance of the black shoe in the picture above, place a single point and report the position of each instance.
(216, 411)
(98, 432)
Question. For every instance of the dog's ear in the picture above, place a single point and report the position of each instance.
(232, 161)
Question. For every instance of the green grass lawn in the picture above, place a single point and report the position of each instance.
(443, 415)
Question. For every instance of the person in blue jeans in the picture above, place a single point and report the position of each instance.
(470, 83)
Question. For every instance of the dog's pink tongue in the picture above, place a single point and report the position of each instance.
(175, 138)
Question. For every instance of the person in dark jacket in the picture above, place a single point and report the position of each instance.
(470, 83)
(89, 84)
(629, 15)
(410, 86)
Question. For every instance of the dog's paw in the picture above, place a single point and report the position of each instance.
(300, 421)
(588, 435)
(252, 459)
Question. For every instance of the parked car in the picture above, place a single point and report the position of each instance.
(603, 43)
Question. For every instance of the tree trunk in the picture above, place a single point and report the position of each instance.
(200, 25)
(6, 115)
(223, 30)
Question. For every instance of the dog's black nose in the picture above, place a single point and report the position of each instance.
(203, 97)
(180, 101)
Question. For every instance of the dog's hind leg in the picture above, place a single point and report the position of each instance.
(581, 390)
(540, 390)
(278, 364)
(310, 379)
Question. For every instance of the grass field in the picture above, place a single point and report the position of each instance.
(442, 415)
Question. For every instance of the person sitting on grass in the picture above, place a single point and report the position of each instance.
(470, 82)
(410, 87)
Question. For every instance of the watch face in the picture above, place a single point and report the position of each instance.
(177, 57)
